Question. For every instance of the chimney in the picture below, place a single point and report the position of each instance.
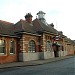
(60, 32)
(28, 17)
(52, 25)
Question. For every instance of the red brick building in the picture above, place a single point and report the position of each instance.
(31, 40)
(8, 42)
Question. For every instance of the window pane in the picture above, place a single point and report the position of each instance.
(2, 46)
(12, 46)
(31, 46)
(48, 46)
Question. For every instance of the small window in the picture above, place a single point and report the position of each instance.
(12, 47)
(32, 46)
(2, 47)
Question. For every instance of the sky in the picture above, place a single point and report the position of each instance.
(59, 12)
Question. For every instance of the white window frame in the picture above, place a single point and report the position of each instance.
(48, 46)
(32, 43)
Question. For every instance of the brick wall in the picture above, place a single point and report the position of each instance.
(25, 40)
(4, 58)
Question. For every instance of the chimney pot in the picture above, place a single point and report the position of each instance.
(28, 17)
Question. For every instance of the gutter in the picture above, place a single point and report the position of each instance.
(5, 35)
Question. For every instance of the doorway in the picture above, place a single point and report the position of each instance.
(55, 49)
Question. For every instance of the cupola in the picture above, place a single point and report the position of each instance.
(41, 16)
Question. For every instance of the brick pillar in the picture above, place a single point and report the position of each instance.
(22, 49)
(44, 43)
(22, 45)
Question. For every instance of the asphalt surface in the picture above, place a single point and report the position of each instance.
(63, 67)
(33, 63)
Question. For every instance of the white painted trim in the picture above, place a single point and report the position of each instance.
(30, 33)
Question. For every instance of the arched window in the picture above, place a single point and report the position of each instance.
(2, 47)
(48, 46)
(12, 47)
(32, 46)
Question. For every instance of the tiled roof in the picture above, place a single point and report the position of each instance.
(71, 41)
(68, 40)
(23, 26)
(6, 28)
(40, 26)
(52, 30)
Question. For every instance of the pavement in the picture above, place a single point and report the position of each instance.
(33, 63)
